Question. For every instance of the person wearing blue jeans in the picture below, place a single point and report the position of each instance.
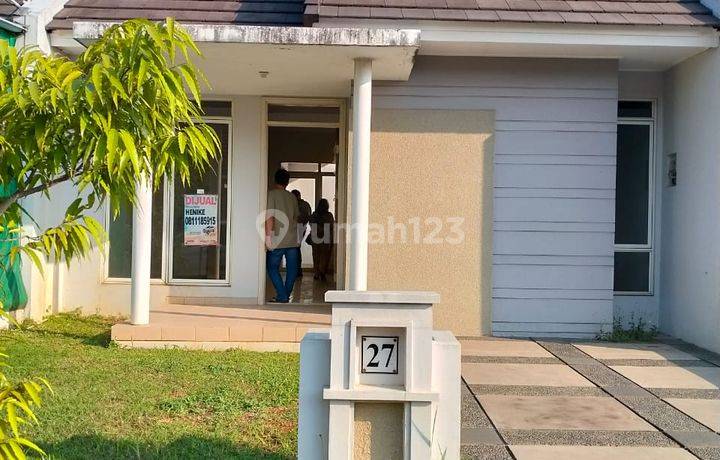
(281, 236)
(274, 260)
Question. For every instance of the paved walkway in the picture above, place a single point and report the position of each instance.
(561, 400)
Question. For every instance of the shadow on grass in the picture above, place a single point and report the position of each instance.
(83, 447)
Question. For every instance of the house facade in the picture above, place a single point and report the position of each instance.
(545, 165)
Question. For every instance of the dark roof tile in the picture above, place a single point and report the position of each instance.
(450, 15)
(400, 3)
(482, 15)
(514, 16)
(523, 5)
(580, 18)
(462, 4)
(641, 19)
(615, 7)
(585, 6)
(354, 12)
(492, 4)
(386, 13)
(431, 3)
(418, 13)
(554, 5)
(609, 18)
(545, 16)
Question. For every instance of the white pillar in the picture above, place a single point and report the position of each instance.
(360, 195)
(142, 221)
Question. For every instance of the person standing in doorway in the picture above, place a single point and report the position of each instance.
(305, 211)
(281, 239)
(321, 238)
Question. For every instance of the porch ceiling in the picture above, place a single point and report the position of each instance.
(289, 61)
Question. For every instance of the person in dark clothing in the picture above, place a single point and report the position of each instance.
(303, 220)
(321, 238)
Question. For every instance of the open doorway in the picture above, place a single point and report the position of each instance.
(307, 140)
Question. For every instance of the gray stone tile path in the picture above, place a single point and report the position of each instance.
(556, 399)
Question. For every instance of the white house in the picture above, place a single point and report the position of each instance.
(545, 165)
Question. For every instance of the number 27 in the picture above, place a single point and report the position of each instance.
(374, 361)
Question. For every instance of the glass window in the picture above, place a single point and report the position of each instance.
(200, 215)
(217, 108)
(635, 109)
(632, 272)
(303, 113)
(294, 166)
(632, 184)
(120, 235)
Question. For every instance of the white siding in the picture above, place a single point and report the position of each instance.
(554, 181)
(690, 268)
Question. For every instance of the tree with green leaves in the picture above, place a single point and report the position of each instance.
(127, 108)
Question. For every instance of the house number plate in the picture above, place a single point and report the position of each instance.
(379, 354)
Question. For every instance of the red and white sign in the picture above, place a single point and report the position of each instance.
(200, 220)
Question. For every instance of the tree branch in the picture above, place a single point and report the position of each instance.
(10, 200)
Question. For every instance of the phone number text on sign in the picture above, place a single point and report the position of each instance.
(200, 220)
(379, 354)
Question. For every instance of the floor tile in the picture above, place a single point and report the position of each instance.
(552, 375)
(513, 348)
(672, 377)
(561, 413)
(655, 351)
(599, 453)
(705, 411)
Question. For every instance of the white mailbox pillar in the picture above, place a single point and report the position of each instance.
(381, 383)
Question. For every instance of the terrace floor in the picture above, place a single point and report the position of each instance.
(563, 400)
(272, 327)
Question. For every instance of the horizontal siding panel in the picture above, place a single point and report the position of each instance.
(513, 109)
(600, 261)
(555, 143)
(554, 176)
(548, 335)
(387, 89)
(552, 277)
(553, 327)
(550, 243)
(555, 126)
(535, 192)
(561, 227)
(515, 72)
(554, 210)
(587, 160)
(570, 294)
(551, 310)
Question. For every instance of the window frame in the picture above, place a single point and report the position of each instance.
(166, 277)
(171, 216)
(647, 247)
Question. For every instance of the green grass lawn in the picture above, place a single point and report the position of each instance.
(123, 403)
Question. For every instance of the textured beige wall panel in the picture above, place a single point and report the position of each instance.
(434, 164)
(378, 431)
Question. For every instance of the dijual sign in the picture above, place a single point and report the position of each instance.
(200, 220)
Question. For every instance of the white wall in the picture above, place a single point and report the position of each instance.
(554, 208)
(690, 269)
(83, 285)
(646, 86)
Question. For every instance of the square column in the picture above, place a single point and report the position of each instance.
(141, 238)
(360, 193)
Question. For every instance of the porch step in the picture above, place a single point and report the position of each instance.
(262, 328)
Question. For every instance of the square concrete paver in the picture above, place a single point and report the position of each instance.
(548, 375)
(561, 413)
(504, 348)
(702, 378)
(653, 351)
(599, 453)
(705, 411)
